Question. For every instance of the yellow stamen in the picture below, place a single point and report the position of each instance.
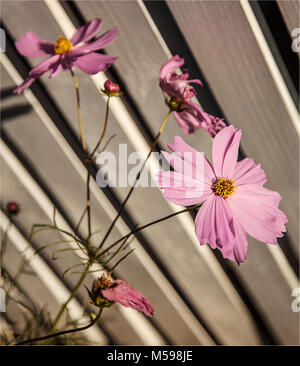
(62, 45)
(224, 187)
(174, 104)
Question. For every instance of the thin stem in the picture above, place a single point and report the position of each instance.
(89, 162)
(88, 202)
(4, 241)
(64, 331)
(80, 221)
(135, 182)
(76, 288)
(147, 225)
(103, 131)
(88, 208)
(78, 110)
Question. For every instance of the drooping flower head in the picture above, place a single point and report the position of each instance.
(188, 115)
(106, 291)
(236, 203)
(214, 126)
(65, 54)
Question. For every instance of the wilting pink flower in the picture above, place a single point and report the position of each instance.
(188, 115)
(121, 292)
(65, 54)
(236, 202)
(214, 126)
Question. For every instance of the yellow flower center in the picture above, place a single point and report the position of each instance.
(62, 45)
(174, 104)
(224, 187)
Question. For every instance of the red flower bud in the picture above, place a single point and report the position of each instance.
(111, 89)
(12, 207)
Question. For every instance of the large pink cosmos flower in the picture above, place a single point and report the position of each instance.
(188, 115)
(65, 54)
(236, 202)
(119, 291)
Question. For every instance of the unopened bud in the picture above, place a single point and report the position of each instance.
(12, 208)
(111, 89)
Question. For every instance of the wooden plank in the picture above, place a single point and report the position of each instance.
(215, 291)
(228, 54)
(290, 12)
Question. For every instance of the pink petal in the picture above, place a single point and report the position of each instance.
(213, 125)
(29, 45)
(36, 72)
(257, 210)
(103, 41)
(204, 222)
(86, 31)
(186, 122)
(180, 147)
(217, 226)
(94, 62)
(225, 151)
(174, 63)
(182, 190)
(125, 295)
(247, 172)
(241, 241)
(197, 111)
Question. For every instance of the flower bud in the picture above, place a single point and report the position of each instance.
(12, 208)
(111, 89)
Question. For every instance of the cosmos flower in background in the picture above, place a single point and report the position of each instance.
(236, 203)
(106, 291)
(188, 115)
(64, 54)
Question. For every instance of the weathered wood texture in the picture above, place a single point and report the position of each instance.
(290, 10)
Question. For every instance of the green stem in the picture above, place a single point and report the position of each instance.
(89, 162)
(147, 225)
(103, 131)
(134, 184)
(84, 274)
(64, 331)
(4, 242)
(76, 288)
(78, 110)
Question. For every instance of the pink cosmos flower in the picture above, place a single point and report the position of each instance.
(236, 202)
(65, 54)
(188, 115)
(121, 292)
